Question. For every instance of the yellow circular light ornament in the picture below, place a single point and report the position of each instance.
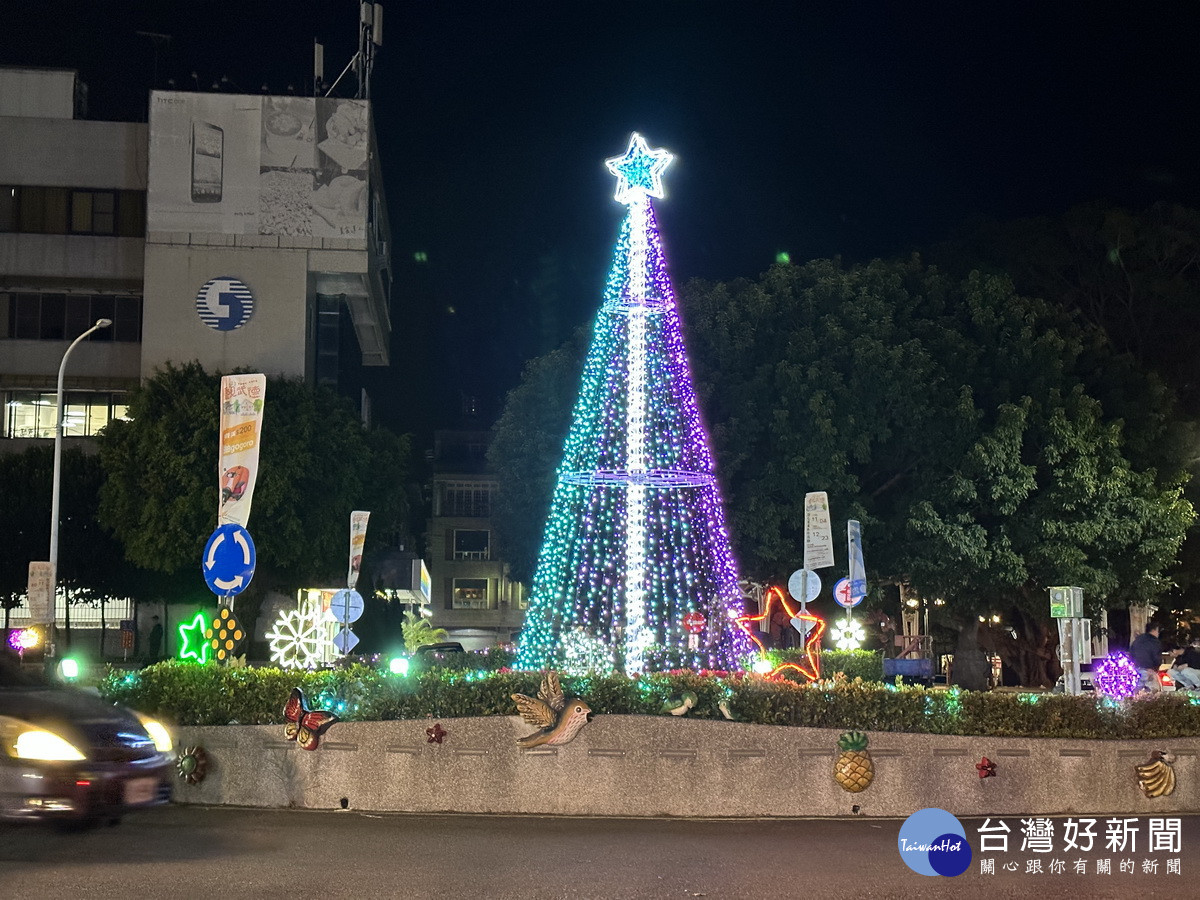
(224, 635)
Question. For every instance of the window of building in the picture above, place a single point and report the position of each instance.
(8, 208)
(47, 316)
(93, 212)
(467, 499)
(30, 414)
(471, 544)
(33, 209)
(470, 593)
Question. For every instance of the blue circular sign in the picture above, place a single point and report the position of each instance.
(933, 842)
(346, 606)
(228, 560)
(224, 303)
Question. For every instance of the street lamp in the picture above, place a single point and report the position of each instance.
(55, 490)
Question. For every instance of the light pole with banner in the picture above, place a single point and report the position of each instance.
(55, 490)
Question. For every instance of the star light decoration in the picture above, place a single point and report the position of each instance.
(639, 171)
(192, 643)
(297, 639)
(812, 639)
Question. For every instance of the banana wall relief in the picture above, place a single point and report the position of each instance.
(1156, 777)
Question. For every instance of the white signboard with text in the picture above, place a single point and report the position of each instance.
(818, 534)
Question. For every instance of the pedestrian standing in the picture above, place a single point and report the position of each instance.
(155, 641)
(1146, 651)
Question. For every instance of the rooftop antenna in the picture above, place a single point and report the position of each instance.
(158, 40)
(318, 67)
(370, 38)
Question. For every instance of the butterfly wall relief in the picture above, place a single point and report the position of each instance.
(305, 726)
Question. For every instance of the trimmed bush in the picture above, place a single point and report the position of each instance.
(188, 694)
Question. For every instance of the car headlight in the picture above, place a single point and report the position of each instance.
(158, 733)
(35, 743)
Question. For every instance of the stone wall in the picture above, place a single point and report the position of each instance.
(663, 766)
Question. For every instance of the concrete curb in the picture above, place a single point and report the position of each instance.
(664, 766)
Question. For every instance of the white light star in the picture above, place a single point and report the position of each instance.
(639, 171)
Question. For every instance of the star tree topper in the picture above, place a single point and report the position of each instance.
(639, 171)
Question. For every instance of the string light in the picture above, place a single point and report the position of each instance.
(1117, 676)
(24, 639)
(636, 535)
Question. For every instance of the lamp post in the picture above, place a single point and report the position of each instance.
(57, 484)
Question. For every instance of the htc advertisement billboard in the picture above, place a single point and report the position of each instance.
(238, 164)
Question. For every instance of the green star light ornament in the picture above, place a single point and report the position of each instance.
(639, 171)
(192, 644)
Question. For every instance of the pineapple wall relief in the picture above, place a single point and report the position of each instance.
(853, 769)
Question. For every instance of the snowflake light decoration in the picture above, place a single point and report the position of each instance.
(847, 634)
(584, 654)
(297, 640)
(1116, 676)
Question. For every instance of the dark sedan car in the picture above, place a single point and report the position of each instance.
(66, 755)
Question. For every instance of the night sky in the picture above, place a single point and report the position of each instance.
(813, 128)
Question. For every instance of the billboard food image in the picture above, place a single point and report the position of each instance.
(340, 199)
(230, 164)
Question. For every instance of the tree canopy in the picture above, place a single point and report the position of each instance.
(317, 464)
(990, 443)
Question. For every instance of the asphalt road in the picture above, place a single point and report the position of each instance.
(185, 852)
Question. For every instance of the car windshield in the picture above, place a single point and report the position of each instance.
(14, 674)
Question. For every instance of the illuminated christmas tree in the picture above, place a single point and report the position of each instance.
(636, 541)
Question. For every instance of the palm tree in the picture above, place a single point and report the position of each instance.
(418, 632)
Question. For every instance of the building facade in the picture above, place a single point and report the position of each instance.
(72, 250)
(238, 231)
(473, 597)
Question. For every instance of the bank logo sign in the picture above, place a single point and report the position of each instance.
(224, 304)
(933, 842)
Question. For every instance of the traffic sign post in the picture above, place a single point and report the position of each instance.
(345, 607)
(804, 585)
(228, 560)
(693, 624)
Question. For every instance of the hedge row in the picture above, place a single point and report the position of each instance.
(214, 695)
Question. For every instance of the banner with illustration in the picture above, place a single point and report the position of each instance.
(242, 398)
(244, 164)
(358, 537)
(858, 569)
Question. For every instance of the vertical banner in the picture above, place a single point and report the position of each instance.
(38, 590)
(242, 399)
(818, 535)
(358, 537)
(858, 570)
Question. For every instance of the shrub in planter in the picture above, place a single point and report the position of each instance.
(188, 694)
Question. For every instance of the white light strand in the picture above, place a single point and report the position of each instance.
(638, 636)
